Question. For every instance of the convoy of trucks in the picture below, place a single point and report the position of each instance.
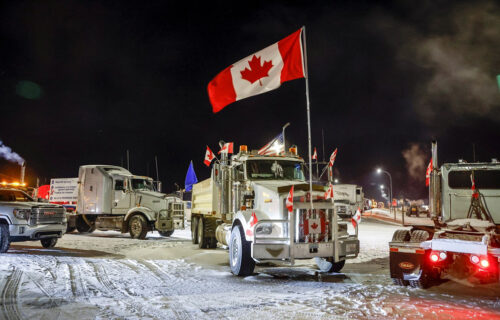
(242, 206)
(464, 243)
(348, 199)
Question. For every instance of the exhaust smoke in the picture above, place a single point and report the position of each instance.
(415, 158)
(8, 154)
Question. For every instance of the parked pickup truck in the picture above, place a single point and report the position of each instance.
(24, 219)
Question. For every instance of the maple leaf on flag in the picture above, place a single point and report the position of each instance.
(256, 71)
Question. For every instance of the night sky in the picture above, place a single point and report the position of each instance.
(83, 81)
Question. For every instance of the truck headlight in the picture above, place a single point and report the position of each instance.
(21, 213)
(265, 228)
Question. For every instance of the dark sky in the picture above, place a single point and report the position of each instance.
(83, 81)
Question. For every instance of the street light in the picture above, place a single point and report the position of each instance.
(379, 171)
(336, 181)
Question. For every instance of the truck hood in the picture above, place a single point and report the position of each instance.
(28, 205)
(274, 185)
(152, 193)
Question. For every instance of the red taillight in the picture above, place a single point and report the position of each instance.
(434, 257)
(484, 263)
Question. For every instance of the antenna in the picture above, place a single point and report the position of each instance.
(323, 139)
(128, 161)
(473, 152)
(157, 174)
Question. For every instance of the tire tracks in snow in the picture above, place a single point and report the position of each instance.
(10, 308)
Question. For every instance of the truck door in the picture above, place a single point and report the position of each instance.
(122, 196)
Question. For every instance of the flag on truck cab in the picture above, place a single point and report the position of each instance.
(273, 147)
(260, 72)
(329, 192)
(209, 157)
(190, 178)
(356, 219)
(475, 194)
(332, 158)
(315, 155)
(428, 174)
(226, 148)
(289, 201)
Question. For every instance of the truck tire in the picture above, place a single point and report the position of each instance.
(70, 229)
(419, 236)
(138, 227)
(83, 227)
(425, 281)
(399, 282)
(194, 230)
(401, 235)
(49, 242)
(166, 233)
(4, 238)
(240, 259)
(200, 235)
(327, 264)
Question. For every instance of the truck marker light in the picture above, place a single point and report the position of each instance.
(393, 249)
(420, 251)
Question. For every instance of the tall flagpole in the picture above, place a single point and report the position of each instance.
(308, 115)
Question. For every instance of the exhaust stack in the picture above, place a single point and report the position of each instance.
(435, 185)
(23, 170)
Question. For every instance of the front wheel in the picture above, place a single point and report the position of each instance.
(240, 259)
(327, 265)
(194, 230)
(4, 238)
(49, 243)
(138, 227)
(166, 233)
(85, 224)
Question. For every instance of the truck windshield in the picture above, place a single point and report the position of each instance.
(142, 184)
(14, 195)
(274, 170)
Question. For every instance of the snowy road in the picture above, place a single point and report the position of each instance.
(110, 276)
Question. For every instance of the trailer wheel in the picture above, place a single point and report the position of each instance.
(401, 235)
(202, 241)
(138, 227)
(240, 259)
(4, 238)
(49, 242)
(327, 264)
(424, 282)
(399, 282)
(194, 230)
(82, 226)
(166, 233)
(212, 243)
(419, 236)
(70, 229)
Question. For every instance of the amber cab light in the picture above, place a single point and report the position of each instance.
(243, 148)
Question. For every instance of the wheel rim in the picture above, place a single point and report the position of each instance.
(135, 226)
(234, 252)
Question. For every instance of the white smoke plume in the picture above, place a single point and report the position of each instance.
(415, 158)
(8, 154)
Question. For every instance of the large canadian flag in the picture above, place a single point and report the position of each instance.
(260, 72)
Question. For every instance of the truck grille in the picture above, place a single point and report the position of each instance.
(177, 210)
(46, 215)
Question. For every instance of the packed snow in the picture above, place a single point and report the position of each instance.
(107, 275)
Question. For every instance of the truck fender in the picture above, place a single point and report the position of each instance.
(5, 220)
(149, 214)
(244, 217)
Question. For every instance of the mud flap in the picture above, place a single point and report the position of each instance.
(405, 265)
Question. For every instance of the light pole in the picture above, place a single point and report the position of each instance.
(379, 170)
(284, 142)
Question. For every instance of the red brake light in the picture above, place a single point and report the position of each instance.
(434, 257)
(485, 263)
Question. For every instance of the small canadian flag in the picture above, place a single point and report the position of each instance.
(315, 155)
(428, 174)
(209, 157)
(332, 158)
(329, 192)
(356, 219)
(226, 148)
(251, 223)
(475, 194)
(289, 201)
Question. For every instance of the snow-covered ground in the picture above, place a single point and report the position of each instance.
(107, 275)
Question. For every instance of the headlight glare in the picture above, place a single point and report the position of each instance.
(265, 228)
(21, 213)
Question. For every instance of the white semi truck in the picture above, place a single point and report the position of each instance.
(464, 243)
(111, 198)
(348, 198)
(242, 206)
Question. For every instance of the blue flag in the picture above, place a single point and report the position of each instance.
(190, 178)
